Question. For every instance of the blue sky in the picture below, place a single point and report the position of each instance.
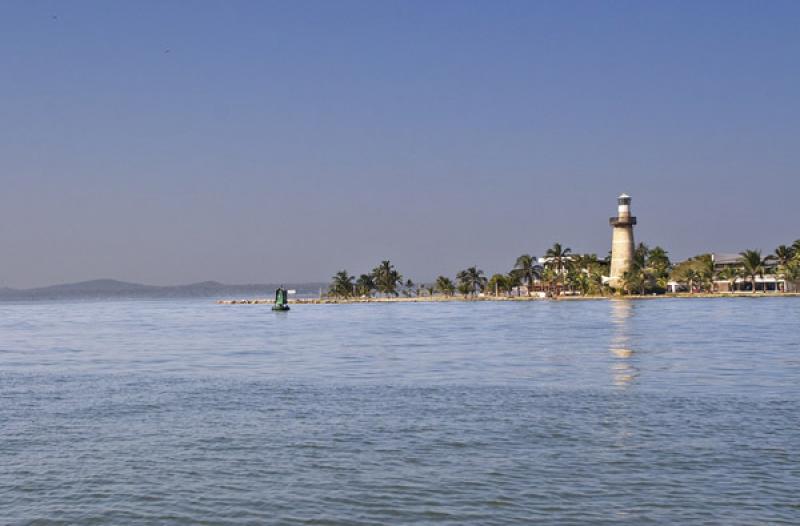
(171, 142)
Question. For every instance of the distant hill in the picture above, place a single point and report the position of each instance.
(113, 289)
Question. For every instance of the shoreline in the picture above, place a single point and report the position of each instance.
(447, 299)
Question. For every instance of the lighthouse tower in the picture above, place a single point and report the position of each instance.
(622, 240)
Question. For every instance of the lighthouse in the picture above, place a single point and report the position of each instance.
(622, 240)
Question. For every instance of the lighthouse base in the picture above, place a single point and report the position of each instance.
(621, 254)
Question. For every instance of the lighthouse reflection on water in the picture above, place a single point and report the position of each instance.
(623, 371)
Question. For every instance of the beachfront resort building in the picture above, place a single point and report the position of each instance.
(770, 281)
(621, 241)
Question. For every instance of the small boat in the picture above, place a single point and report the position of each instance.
(281, 303)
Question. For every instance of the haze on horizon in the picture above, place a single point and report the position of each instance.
(168, 142)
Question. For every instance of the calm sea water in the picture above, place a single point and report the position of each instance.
(188, 412)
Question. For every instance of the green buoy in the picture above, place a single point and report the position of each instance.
(281, 304)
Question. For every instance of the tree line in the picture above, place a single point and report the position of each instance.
(565, 272)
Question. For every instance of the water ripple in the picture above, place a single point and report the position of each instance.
(553, 413)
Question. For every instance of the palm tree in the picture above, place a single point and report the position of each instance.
(464, 288)
(557, 260)
(572, 276)
(472, 277)
(639, 267)
(691, 275)
(642, 250)
(589, 262)
(729, 274)
(593, 269)
(342, 285)
(365, 285)
(386, 278)
(707, 270)
(557, 256)
(583, 283)
(631, 280)
(525, 268)
(752, 265)
(796, 246)
(581, 261)
(791, 273)
(784, 254)
(658, 258)
(549, 277)
(498, 283)
(513, 281)
(659, 264)
(595, 275)
(445, 285)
